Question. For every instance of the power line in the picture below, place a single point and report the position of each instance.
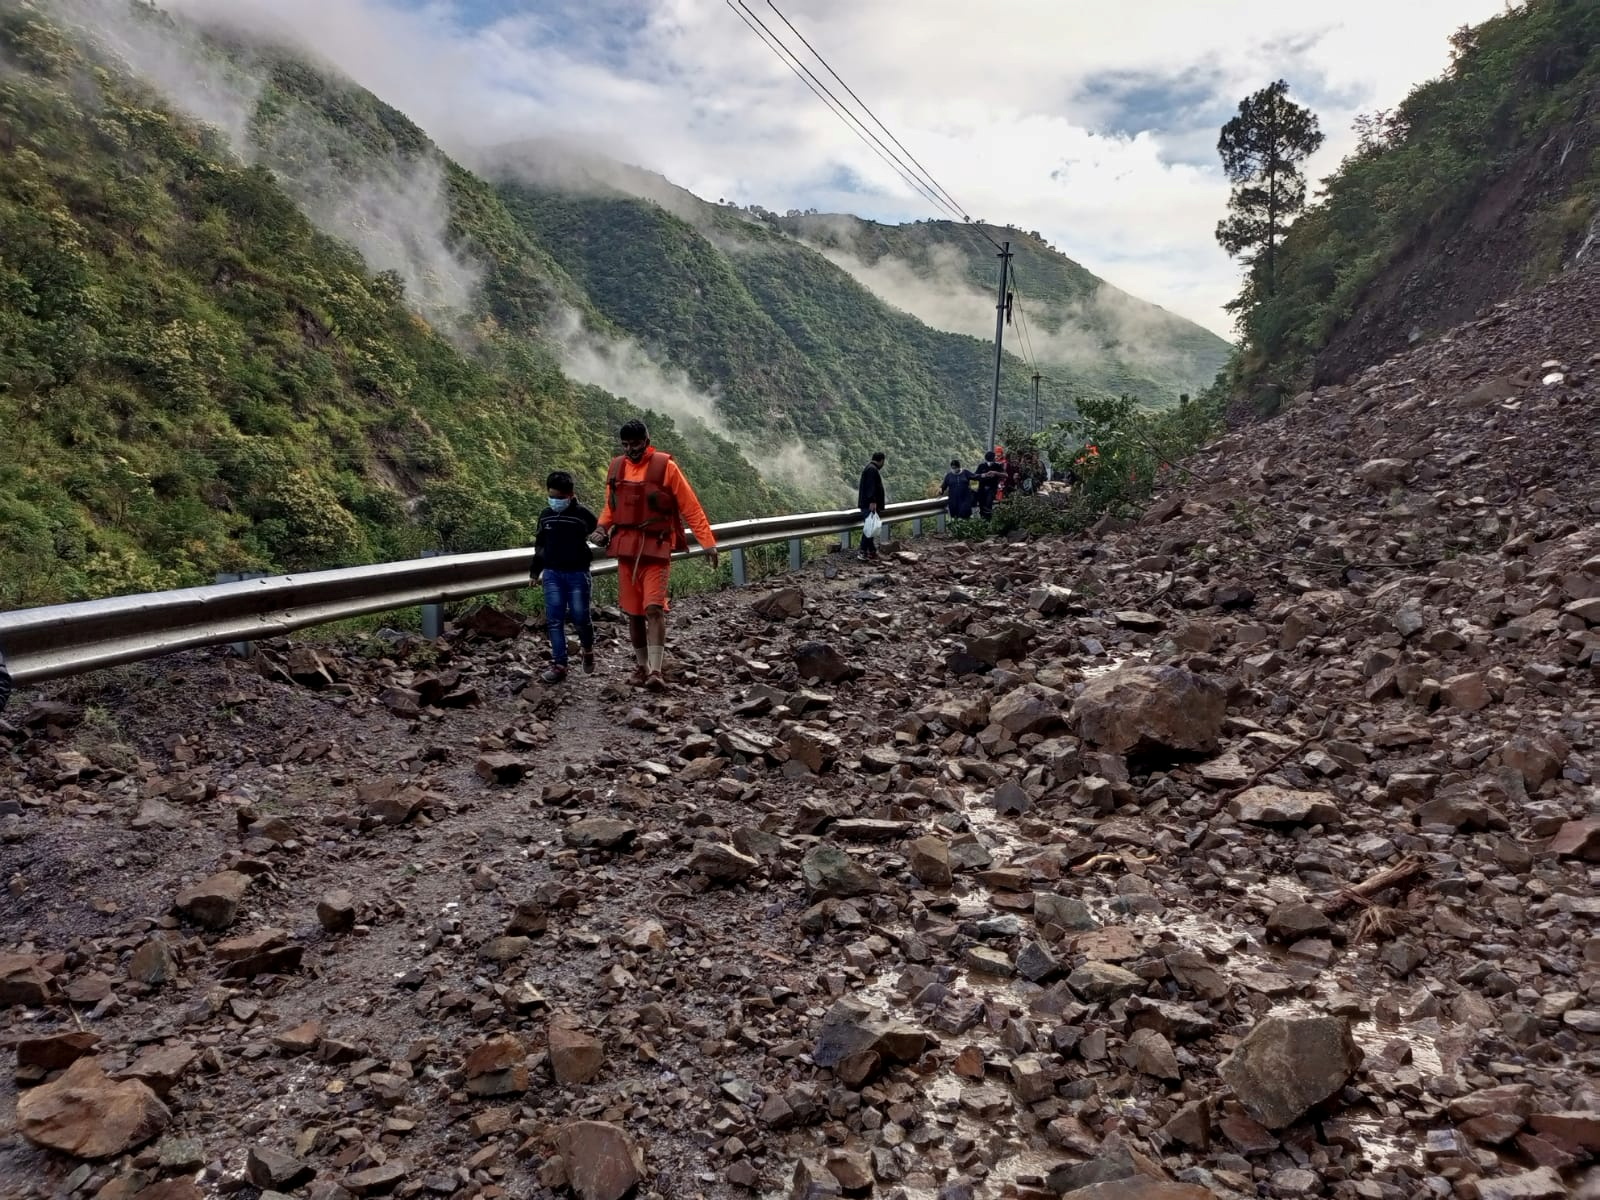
(834, 104)
(818, 55)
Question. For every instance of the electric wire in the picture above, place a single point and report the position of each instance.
(835, 105)
(817, 54)
(912, 171)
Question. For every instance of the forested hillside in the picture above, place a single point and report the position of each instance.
(1481, 183)
(795, 350)
(1082, 328)
(194, 378)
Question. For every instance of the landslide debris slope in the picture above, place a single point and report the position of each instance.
(1248, 850)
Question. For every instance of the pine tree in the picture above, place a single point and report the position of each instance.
(1262, 149)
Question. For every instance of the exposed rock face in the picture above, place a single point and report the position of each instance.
(1149, 708)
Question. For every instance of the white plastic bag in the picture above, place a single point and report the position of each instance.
(871, 526)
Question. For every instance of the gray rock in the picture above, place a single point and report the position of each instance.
(1287, 1065)
(1151, 708)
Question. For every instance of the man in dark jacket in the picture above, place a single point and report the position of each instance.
(957, 484)
(870, 498)
(990, 473)
(561, 563)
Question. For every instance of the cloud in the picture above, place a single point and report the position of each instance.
(1094, 123)
(626, 369)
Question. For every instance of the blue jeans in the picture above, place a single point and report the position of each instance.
(566, 597)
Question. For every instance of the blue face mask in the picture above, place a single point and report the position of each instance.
(558, 504)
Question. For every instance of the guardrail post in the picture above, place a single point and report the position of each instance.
(737, 560)
(916, 526)
(943, 517)
(432, 614)
(844, 540)
(797, 554)
(242, 649)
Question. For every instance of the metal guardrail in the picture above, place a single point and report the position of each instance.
(68, 639)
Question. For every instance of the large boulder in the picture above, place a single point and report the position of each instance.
(1151, 708)
(86, 1114)
(214, 903)
(1288, 1065)
(829, 871)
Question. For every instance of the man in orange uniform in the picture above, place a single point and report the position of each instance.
(647, 502)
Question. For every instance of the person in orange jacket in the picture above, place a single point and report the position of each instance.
(647, 502)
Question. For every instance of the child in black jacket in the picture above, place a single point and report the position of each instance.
(561, 562)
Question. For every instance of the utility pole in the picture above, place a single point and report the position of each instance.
(1036, 378)
(999, 337)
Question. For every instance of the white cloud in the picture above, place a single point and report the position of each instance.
(1011, 107)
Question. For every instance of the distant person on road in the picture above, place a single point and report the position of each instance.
(647, 502)
(871, 498)
(561, 558)
(990, 473)
(957, 484)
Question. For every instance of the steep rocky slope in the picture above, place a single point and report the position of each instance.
(1248, 850)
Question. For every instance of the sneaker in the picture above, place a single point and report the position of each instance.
(640, 677)
(656, 682)
(554, 673)
(588, 662)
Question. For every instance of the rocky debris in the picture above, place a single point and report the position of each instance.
(853, 1031)
(1054, 944)
(213, 903)
(500, 768)
(1288, 1065)
(487, 621)
(1268, 804)
(1030, 708)
(273, 1170)
(599, 833)
(600, 1160)
(1151, 708)
(829, 871)
(576, 1057)
(820, 661)
(930, 862)
(24, 980)
(336, 911)
(152, 964)
(722, 863)
(87, 1115)
(498, 1067)
(781, 604)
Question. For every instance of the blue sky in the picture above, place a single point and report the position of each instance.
(1096, 123)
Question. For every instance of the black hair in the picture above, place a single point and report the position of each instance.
(559, 481)
(633, 431)
(989, 457)
(878, 457)
(955, 464)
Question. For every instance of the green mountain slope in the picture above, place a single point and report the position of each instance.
(803, 361)
(193, 377)
(1080, 327)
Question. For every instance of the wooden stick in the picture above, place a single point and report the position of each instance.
(1402, 875)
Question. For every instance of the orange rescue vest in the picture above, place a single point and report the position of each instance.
(645, 525)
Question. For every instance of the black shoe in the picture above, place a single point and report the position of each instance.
(588, 662)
